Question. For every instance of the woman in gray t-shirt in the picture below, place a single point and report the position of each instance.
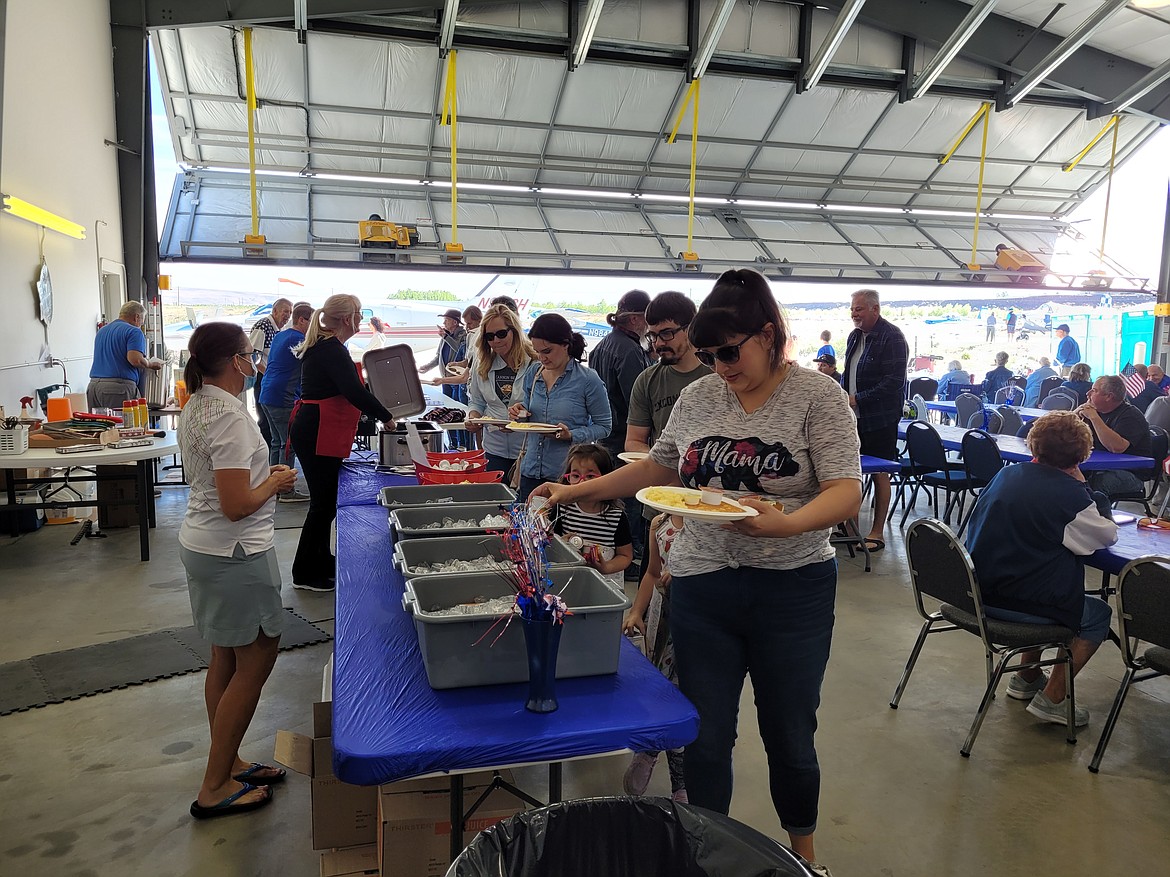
(755, 596)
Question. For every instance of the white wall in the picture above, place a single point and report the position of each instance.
(58, 108)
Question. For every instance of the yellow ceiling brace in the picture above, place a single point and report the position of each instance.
(449, 116)
(250, 83)
(984, 113)
(1114, 123)
(692, 99)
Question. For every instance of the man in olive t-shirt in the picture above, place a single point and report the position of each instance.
(657, 388)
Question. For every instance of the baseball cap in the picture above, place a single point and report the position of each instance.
(453, 314)
(827, 359)
(1063, 327)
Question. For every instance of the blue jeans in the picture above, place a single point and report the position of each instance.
(498, 464)
(278, 430)
(777, 626)
(1094, 618)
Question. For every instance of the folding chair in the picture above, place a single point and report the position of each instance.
(994, 422)
(927, 388)
(941, 568)
(967, 407)
(930, 468)
(1009, 395)
(1011, 420)
(1048, 385)
(1055, 401)
(1143, 615)
(982, 461)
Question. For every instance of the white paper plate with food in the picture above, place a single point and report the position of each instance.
(488, 421)
(633, 456)
(540, 428)
(690, 503)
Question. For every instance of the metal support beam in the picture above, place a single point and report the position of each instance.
(447, 26)
(135, 172)
(552, 235)
(1139, 89)
(706, 48)
(552, 124)
(853, 246)
(584, 36)
(850, 9)
(236, 13)
(751, 162)
(951, 47)
(1064, 50)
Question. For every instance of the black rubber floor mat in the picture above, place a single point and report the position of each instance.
(74, 673)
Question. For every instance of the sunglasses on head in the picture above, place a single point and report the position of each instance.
(666, 335)
(498, 336)
(727, 354)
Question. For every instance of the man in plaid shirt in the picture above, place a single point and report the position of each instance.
(874, 376)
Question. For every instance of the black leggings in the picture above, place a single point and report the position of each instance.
(314, 564)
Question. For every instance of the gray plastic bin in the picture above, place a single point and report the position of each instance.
(408, 521)
(444, 494)
(589, 643)
(413, 553)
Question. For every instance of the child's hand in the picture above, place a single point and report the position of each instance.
(633, 623)
(663, 583)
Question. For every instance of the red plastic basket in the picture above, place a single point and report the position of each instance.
(451, 456)
(436, 476)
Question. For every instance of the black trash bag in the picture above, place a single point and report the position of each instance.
(624, 837)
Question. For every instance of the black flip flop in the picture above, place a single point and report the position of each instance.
(228, 806)
(248, 776)
(877, 544)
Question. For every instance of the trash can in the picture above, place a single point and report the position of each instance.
(624, 837)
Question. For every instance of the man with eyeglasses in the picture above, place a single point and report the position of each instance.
(657, 388)
(874, 376)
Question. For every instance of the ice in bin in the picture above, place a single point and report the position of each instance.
(589, 644)
(415, 557)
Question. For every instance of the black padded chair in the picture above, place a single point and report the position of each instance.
(1058, 402)
(1011, 420)
(969, 407)
(982, 462)
(994, 422)
(1143, 616)
(930, 468)
(927, 388)
(1023, 431)
(956, 390)
(1048, 385)
(941, 569)
(1009, 395)
(1159, 449)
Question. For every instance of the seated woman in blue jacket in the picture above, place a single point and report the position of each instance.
(1029, 534)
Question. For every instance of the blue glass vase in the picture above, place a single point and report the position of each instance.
(543, 640)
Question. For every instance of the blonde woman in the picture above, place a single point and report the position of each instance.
(323, 425)
(501, 353)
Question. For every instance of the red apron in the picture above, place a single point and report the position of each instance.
(337, 428)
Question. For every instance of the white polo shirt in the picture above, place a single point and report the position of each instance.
(215, 432)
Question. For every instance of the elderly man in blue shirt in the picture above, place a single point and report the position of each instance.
(119, 355)
(956, 375)
(1032, 388)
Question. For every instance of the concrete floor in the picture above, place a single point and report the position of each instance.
(101, 785)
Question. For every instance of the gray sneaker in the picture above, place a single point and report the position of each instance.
(1042, 708)
(818, 869)
(292, 496)
(1020, 689)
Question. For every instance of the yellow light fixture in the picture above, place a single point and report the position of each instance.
(40, 216)
(1150, 4)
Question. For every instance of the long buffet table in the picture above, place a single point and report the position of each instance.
(389, 725)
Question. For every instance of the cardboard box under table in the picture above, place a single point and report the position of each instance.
(390, 725)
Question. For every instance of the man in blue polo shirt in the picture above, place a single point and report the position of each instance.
(119, 355)
(282, 388)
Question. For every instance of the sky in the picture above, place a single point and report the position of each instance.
(1136, 221)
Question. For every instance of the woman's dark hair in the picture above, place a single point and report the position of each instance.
(673, 306)
(212, 347)
(555, 329)
(740, 303)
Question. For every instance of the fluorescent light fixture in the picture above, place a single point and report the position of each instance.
(349, 178)
(836, 36)
(678, 199)
(1064, 51)
(447, 28)
(1151, 4)
(40, 216)
(587, 28)
(710, 39)
(950, 48)
(1142, 87)
(585, 193)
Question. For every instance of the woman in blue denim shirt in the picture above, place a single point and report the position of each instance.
(559, 390)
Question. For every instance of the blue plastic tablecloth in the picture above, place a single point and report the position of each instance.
(360, 482)
(1132, 542)
(388, 724)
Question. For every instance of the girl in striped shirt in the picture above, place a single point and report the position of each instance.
(601, 526)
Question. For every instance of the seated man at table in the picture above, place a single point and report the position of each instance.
(1035, 379)
(1031, 529)
(956, 374)
(1119, 428)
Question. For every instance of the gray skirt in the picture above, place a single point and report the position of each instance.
(234, 598)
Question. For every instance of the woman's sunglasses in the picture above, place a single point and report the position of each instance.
(728, 354)
(497, 336)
